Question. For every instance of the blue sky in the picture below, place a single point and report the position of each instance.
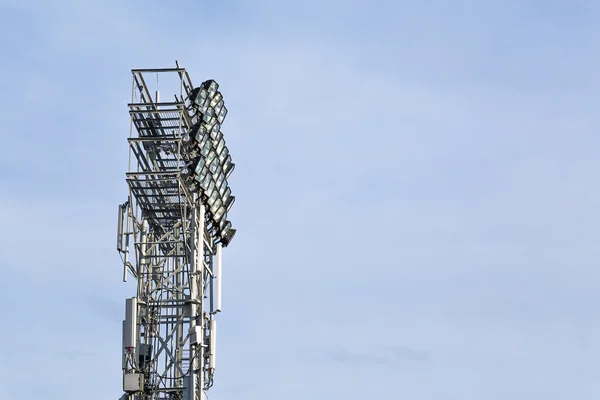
(416, 192)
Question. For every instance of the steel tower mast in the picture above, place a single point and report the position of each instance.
(171, 232)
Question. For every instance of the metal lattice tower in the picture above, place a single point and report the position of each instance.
(171, 231)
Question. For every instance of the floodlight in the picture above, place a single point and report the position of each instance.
(214, 131)
(200, 165)
(219, 181)
(213, 197)
(227, 234)
(202, 175)
(198, 96)
(206, 148)
(189, 138)
(228, 237)
(210, 124)
(225, 192)
(218, 136)
(212, 156)
(202, 109)
(218, 107)
(204, 184)
(224, 224)
(203, 93)
(216, 205)
(209, 189)
(228, 167)
(223, 155)
(195, 151)
(226, 162)
(214, 165)
(202, 133)
(207, 116)
(219, 147)
(229, 202)
(219, 214)
(221, 115)
(222, 190)
(216, 100)
(211, 86)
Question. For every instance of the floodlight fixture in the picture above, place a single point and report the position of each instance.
(199, 166)
(216, 205)
(227, 234)
(223, 223)
(201, 133)
(203, 94)
(198, 96)
(214, 165)
(207, 116)
(222, 188)
(219, 180)
(210, 187)
(218, 107)
(215, 130)
(203, 175)
(229, 202)
(220, 145)
(202, 109)
(206, 148)
(218, 135)
(216, 100)
(222, 114)
(228, 167)
(211, 86)
(224, 154)
(219, 214)
(213, 197)
(225, 192)
(212, 156)
(205, 183)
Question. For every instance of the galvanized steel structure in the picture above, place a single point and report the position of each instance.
(171, 242)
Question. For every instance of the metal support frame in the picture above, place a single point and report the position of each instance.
(164, 243)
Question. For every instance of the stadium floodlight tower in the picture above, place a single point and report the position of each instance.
(171, 232)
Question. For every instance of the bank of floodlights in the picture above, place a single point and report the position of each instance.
(207, 160)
